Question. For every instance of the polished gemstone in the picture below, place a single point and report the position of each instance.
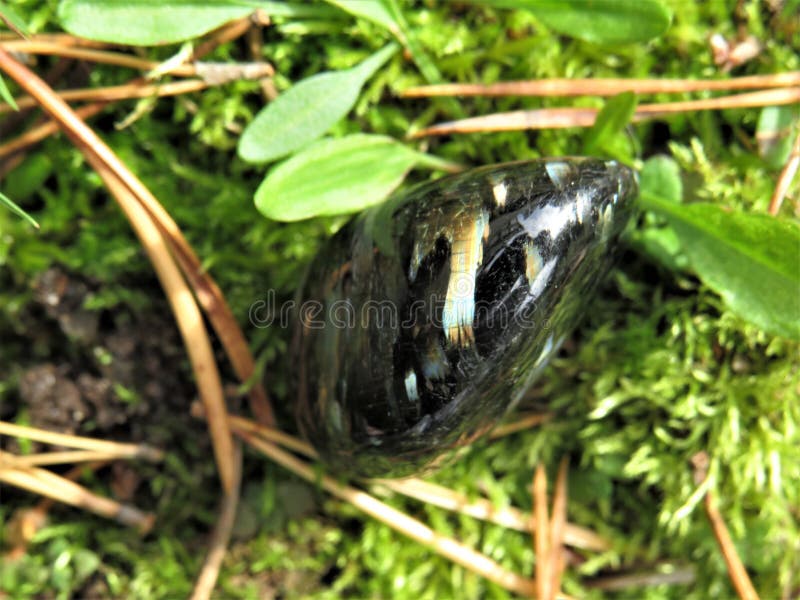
(427, 318)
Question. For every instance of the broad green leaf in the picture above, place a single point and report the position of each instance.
(307, 110)
(5, 93)
(334, 176)
(372, 10)
(147, 22)
(774, 134)
(597, 21)
(5, 200)
(751, 260)
(610, 121)
(661, 177)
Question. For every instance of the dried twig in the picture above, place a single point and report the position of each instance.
(603, 87)
(45, 483)
(555, 118)
(785, 178)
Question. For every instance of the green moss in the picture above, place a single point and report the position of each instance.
(659, 371)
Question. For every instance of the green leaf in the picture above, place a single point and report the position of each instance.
(661, 177)
(335, 176)
(147, 22)
(5, 93)
(5, 200)
(751, 260)
(615, 115)
(307, 110)
(774, 134)
(597, 21)
(372, 10)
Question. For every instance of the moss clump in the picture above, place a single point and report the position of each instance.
(659, 371)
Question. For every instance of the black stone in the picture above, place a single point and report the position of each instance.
(426, 318)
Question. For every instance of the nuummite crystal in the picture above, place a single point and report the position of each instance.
(426, 318)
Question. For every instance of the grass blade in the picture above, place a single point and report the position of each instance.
(9, 203)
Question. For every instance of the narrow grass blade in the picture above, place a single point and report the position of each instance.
(5, 200)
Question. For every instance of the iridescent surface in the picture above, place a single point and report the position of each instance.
(426, 318)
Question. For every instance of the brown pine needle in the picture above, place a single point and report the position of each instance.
(224, 34)
(187, 316)
(209, 572)
(270, 434)
(738, 574)
(672, 576)
(397, 520)
(45, 483)
(91, 55)
(785, 178)
(73, 441)
(603, 87)
(739, 577)
(208, 293)
(521, 422)
(67, 457)
(558, 528)
(483, 509)
(61, 39)
(118, 92)
(541, 534)
(555, 118)
(212, 75)
(36, 134)
(122, 184)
